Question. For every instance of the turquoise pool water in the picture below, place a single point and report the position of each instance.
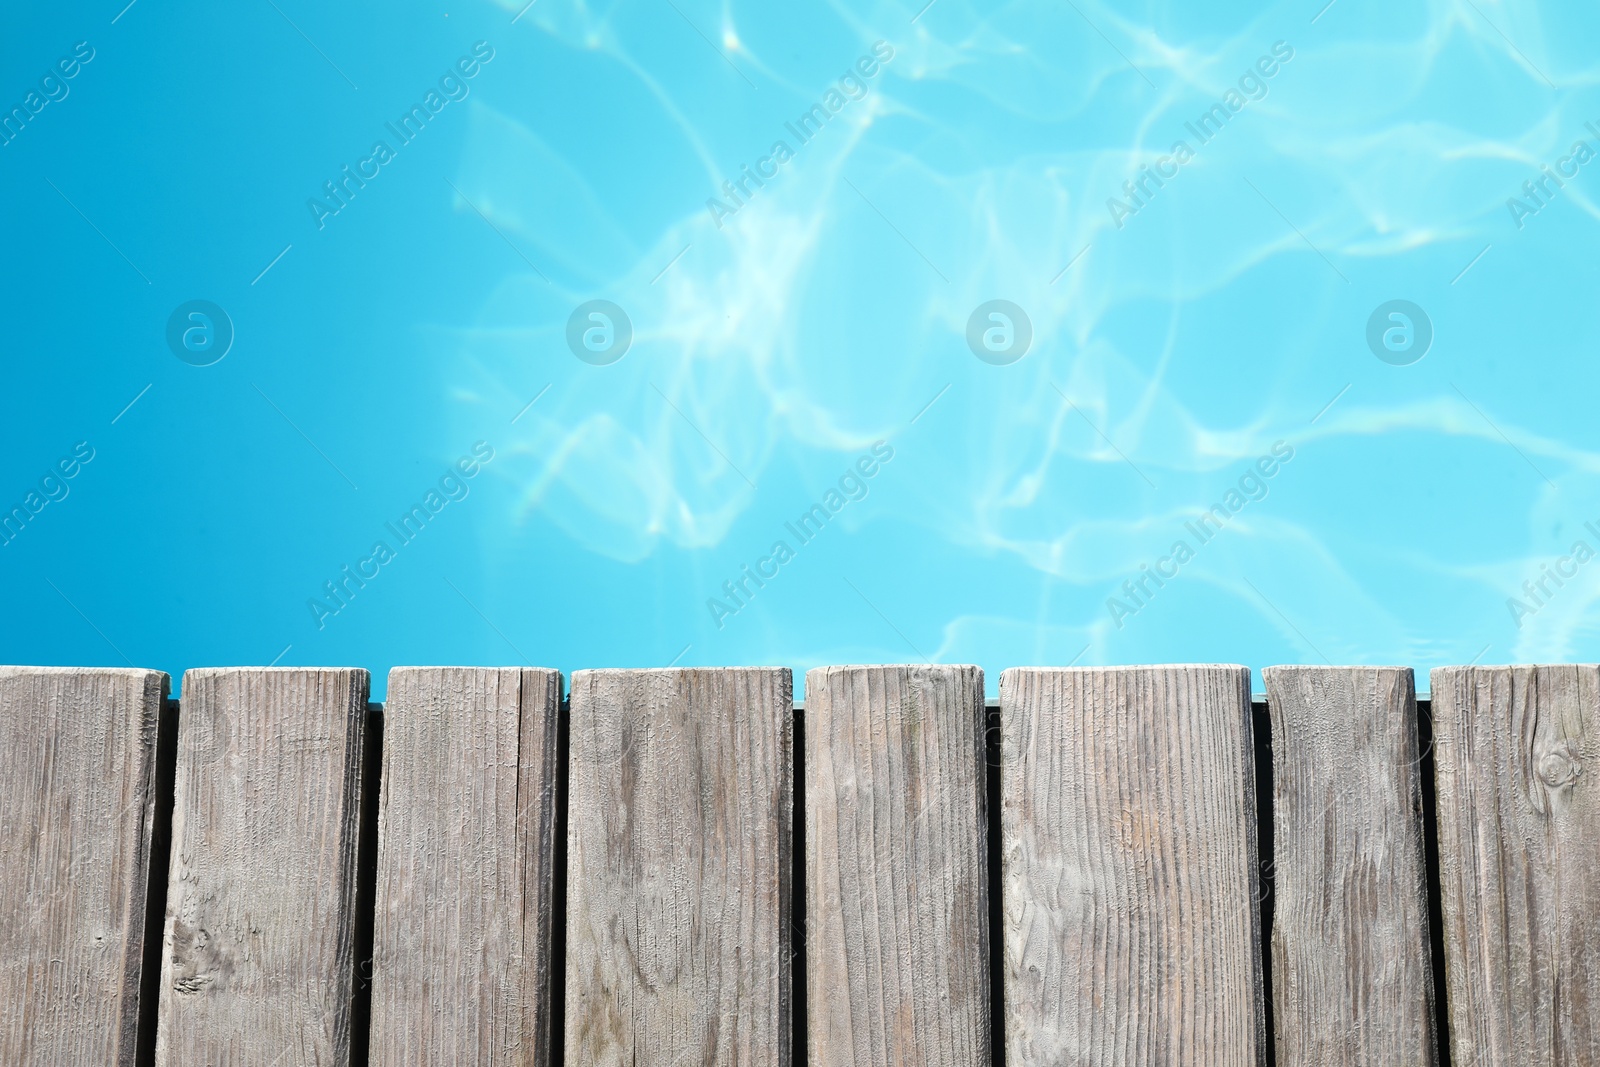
(670, 331)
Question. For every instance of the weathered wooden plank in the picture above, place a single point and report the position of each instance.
(897, 913)
(466, 846)
(258, 951)
(1352, 974)
(1516, 751)
(78, 807)
(1131, 921)
(678, 891)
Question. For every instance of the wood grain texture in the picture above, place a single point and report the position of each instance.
(897, 912)
(678, 890)
(1517, 750)
(77, 813)
(1131, 922)
(258, 948)
(466, 846)
(1352, 974)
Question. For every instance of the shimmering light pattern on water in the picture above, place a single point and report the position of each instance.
(378, 444)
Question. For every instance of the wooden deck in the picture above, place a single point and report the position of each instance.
(1108, 867)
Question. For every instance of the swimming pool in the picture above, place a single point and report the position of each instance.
(677, 332)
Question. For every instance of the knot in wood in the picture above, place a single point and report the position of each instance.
(1559, 766)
